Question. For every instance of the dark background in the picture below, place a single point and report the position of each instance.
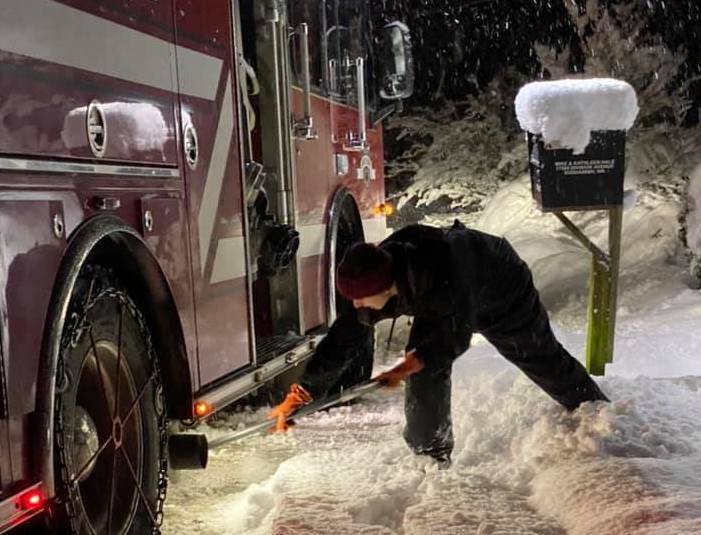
(459, 46)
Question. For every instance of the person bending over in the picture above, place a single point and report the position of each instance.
(454, 282)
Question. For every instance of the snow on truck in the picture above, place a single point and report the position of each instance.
(178, 180)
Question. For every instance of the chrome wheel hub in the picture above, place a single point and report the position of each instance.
(85, 442)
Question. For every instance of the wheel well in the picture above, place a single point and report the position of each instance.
(143, 278)
(345, 227)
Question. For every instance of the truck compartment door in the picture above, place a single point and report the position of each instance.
(213, 171)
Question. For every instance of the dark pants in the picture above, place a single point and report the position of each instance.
(529, 343)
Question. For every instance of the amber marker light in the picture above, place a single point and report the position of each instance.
(384, 209)
(32, 499)
(202, 408)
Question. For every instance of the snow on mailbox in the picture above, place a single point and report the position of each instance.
(576, 140)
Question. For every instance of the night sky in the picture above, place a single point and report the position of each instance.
(460, 46)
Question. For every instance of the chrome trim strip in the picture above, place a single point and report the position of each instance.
(54, 166)
(246, 155)
(227, 393)
(331, 240)
(339, 198)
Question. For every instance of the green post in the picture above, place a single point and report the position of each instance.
(599, 335)
(615, 232)
(603, 290)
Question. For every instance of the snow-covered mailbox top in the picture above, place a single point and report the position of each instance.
(576, 140)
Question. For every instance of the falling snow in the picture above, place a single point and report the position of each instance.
(521, 464)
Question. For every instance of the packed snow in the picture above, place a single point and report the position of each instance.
(521, 463)
(565, 112)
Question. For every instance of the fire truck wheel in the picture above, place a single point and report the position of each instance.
(350, 231)
(110, 427)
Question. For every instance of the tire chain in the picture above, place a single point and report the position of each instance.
(77, 325)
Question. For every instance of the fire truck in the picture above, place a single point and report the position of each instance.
(178, 180)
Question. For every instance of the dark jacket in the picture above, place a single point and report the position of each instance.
(453, 281)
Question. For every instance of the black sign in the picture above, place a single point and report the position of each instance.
(561, 180)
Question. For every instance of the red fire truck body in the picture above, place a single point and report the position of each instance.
(202, 164)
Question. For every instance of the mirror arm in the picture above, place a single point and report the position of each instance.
(304, 128)
(380, 115)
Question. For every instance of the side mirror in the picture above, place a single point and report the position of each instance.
(398, 62)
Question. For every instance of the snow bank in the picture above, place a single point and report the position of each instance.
(693, 218)
(455, 163)
(561, 265)
(565, 112)
(522, 465)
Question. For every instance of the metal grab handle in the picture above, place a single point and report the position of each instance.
(304, 128)
(360, 141)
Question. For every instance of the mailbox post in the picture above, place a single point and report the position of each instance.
(563, 179)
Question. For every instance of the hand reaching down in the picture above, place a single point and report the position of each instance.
(409, 366)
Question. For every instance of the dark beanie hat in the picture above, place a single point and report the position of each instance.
(365, 270)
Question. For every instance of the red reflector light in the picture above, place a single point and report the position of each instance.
(202, 408)
(32, 499)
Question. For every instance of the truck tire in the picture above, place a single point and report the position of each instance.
(110, 425)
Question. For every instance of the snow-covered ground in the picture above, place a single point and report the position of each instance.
(521, 463)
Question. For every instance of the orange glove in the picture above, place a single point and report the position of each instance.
(409, 366)
(296, 397)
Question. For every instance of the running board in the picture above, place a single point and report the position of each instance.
(211, 401)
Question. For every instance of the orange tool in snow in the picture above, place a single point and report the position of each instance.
(263, 427)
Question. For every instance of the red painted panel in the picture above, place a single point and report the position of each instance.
(29, 257)
(223, 330)
(43, 103)
(317, 181)
(206, 30)
(20, 436)
(167, 240)
(368, 193)
(313, 278)
(313, 161)
(5, 464)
